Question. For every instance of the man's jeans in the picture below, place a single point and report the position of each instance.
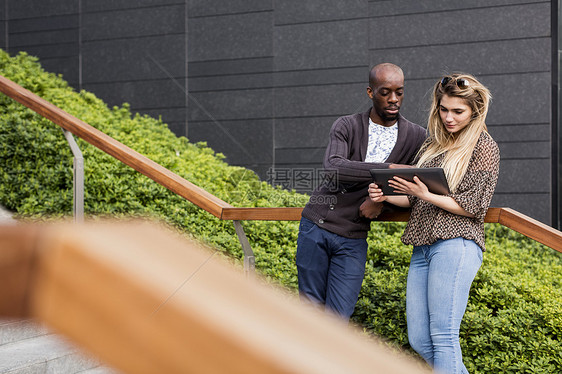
(330, 268)
(439, 282)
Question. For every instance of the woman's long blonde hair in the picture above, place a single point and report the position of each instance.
(457, 147)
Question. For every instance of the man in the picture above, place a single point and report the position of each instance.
(332, 241)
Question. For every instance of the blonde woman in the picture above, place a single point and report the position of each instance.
(447, 232)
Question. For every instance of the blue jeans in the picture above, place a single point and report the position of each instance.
(330, 268)
(437, 291)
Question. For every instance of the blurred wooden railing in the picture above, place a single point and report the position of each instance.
(144, 300)
(219, 208)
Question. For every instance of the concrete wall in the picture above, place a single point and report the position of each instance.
(47, 29)
(262, 81)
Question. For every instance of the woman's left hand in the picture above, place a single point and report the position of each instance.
(416, 188)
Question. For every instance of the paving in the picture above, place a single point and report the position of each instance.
(5, 216)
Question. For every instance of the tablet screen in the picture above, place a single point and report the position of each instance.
(434, 179)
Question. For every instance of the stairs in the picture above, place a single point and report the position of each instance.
(27, 347)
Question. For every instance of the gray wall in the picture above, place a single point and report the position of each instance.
(135, 51)
(123, 51)
(47, 29)
(262, 81)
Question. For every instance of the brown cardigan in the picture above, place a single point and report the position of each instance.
(335, 206)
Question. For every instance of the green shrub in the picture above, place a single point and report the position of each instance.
(512, 324)
(37, 164)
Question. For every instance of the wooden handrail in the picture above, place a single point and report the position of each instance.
(128, 156)
(510, 218)
(219, 208)
(531, 228)
(144, 300)
(261, 214)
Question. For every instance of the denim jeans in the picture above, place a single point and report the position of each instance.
(330, 268)
(437, 291)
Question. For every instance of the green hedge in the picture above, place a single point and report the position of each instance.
(512, 324)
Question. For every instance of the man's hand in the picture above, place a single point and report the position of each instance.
(399, 166)
(370, 209)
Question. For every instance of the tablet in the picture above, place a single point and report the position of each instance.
(434, 179)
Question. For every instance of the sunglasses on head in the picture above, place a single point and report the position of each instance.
(461, 83)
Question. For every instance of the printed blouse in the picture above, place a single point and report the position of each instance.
(428, 223)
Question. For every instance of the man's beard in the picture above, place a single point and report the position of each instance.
(389, 117)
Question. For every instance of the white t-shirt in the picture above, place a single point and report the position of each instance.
(382, 140)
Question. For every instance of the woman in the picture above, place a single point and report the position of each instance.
(447, 231)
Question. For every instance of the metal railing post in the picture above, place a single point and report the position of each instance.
(78, 178)
(249, 259)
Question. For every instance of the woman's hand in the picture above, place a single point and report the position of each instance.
(420, 190)
(416, 188)
(375, 194)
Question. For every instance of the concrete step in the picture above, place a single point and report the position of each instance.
(27, 347)
(6, 216)
(99, 370)
(13, 330)
(43, 354)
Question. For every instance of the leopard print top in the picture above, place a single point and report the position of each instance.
(429, 223)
